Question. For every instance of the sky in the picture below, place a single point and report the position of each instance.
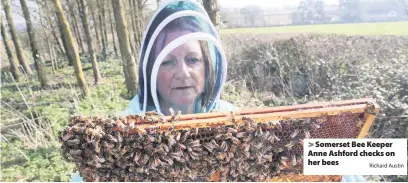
(265, 3)
(19, 20)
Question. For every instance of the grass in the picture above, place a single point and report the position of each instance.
(31, 118)
(383, 28)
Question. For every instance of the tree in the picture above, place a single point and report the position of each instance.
(351, 10)
(251, 14)
(309, 12)
(129, 65)
(74, 22)
(101, 9)
(95, 24)
(72, 48)
(13, 62)
(88, 36)
(16, 41)
(115, 49)
(212, 8)
(42, 76)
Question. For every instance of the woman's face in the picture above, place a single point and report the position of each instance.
(181, 75)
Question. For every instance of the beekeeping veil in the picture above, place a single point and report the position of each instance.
(190, 19)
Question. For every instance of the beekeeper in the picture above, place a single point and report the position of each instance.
(182, 64)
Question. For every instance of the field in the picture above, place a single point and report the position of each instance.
(300, 67)
(383, 28)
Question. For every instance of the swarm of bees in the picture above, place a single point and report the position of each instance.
(118, 149)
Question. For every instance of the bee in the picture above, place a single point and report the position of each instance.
(75, 152)
(371, 109)
(283, 161)
(295, 133)
(275, 137)
(195, 143)
(278, 126)
(96, 146)
(67, 136)
(218, 136)
(73, 142)
(227, 136)
(360, 123)
(235, 141)
(124, 150)
(232, 130)
(290, 145)
(179, 159)
(265, 136)
(178, 136)
(145, 159)
(315, 126)
(171, 141)
(181, 146)
(185, 136)
(194, 155)
(108, 145)
(167, 159)
(240, 135)
(196, 131)
(224, 146)
(156, 161)
(307, 135)
(233, 148)
(111, 138)
(109, 158)
(221, 155)
(136, 157)
(209, 146)
(79, 129)
(174, 117)
(294, 161)
(248, 138)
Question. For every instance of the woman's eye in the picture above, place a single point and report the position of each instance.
(193, 60)
(167, 63)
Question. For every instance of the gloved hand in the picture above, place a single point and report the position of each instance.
(353, 178)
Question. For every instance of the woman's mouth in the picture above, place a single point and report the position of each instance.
(182, 87)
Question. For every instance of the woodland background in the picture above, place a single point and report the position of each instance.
(79, 57)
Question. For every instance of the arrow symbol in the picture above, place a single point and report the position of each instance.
(310, 144)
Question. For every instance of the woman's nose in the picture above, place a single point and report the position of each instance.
(182, 71)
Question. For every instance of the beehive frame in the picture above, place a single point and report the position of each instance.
(365, 109)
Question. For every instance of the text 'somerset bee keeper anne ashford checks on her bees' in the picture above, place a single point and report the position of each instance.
(182, 65)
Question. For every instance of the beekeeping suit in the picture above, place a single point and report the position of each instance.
(193, 23)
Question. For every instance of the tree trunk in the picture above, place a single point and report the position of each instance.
(139, 19)
(129, 66)
(54, 34)
(95, 26)
(115, 49)
(105, 31)
(72, 47)
(13, 62)
(83, 11)
(74, 21)
(64, 41)
(100, 8)
(46, 34)
(42, 76)
(16, 41)
(212, 8)
(134, 20)
(128, 18)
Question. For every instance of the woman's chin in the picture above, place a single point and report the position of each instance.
(183, 101)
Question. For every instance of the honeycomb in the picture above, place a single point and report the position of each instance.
(124, 149)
